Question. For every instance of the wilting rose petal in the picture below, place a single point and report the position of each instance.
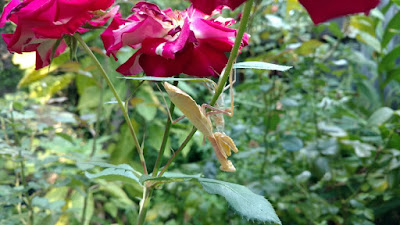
(208, 6)
(39, 23)
(171, 42)
(321, 11)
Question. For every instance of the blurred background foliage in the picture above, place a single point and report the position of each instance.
(321, 141)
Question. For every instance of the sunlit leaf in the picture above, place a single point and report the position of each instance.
(380, 116)
(260, 66)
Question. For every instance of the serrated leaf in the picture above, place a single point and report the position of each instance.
(243, 200)
(260, 66)
(380, 116)
(248, 204)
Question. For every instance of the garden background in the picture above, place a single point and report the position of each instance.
(320, 141)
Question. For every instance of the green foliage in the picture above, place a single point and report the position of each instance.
(320, 141)
(244, 201)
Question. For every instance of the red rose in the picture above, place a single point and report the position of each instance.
(323, 10)
(208, 6)
(40, 23)
(171, 42)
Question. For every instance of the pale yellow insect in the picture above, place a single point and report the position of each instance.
(196, 114)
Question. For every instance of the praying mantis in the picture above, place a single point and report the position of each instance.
(198, 116)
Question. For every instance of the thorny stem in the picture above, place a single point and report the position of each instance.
(121, 104)
(222, 81)
(165, 138)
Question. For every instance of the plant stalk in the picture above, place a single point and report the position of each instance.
(121, 104)
(165, 138)
(222, 81)
(144, 205)
(235, 50)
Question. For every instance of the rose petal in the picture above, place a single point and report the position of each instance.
(44, 52)
(9, 7)
(321, 11)
(131, 67)
(208, 6)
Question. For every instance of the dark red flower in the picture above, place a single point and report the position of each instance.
(323, 10)
(208, 6)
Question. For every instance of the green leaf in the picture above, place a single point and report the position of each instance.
(114, 175)
(260, 66)
(331, 129)
(389, 60)
(107, 165)
(169, 177)
(292, 143)
(148, 108)
(308, 47)
(335, 29)
(380, 116)
(248, 204)
(122, 172)
(243, 200)
(393, 25)
(370, 40)
(369, 93)
(362, 150)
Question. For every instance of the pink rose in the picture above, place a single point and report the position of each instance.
(323, 10)
(40, 23)
(208, 6)
(171, 42)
